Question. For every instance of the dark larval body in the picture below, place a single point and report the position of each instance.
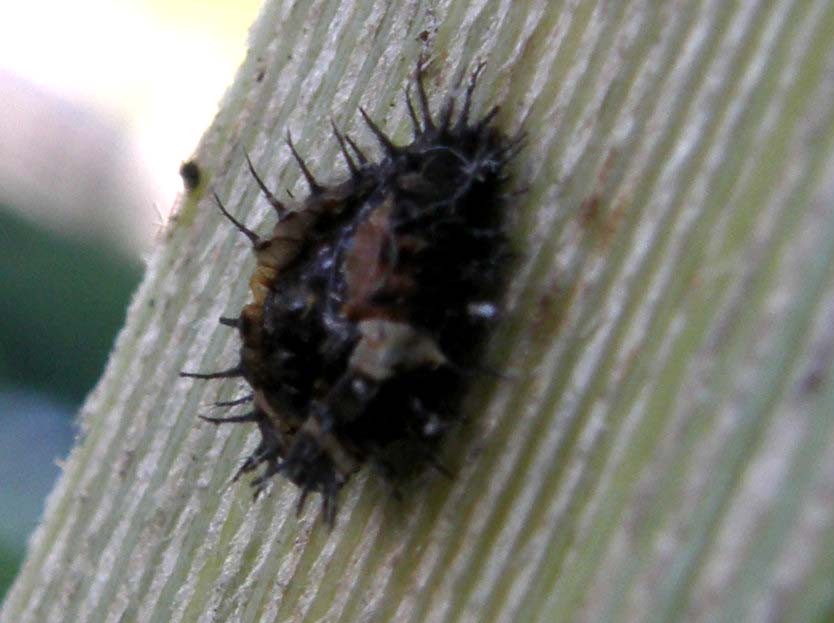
(372, 299)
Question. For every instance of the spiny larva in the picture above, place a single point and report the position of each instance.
(372, 300)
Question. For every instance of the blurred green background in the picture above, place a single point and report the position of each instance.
(94, 124)
(63, 302)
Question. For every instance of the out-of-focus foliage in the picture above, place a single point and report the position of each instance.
(61, 305)
(62, 302)
(9, 562)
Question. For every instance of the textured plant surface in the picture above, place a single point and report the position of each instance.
(664, 448)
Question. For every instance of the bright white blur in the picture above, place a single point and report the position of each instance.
(102, 101)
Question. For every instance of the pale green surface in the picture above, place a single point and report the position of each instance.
(666, 451)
